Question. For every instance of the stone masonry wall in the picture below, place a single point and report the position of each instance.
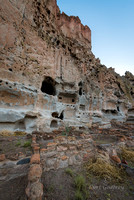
(66, 151)
(34, 188)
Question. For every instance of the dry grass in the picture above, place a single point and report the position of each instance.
(19, 133)
(127, 154)
(103, 169)
(6, 133)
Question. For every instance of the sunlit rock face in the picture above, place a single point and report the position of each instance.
(49, 77)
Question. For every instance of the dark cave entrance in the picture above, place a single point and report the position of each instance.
(53, 124)
(56, 115)
(118, 108)
(80, 91)
(80, 87)
(48, 86)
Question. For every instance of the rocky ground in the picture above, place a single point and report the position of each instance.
(61, 183)
(15, 147)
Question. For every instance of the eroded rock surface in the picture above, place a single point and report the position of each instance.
(49, 77)
(13, 181)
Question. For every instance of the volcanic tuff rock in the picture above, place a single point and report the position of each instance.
(49, 76)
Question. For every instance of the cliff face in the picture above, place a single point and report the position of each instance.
(49, 76)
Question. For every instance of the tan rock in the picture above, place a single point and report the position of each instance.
(36, 149)
(2, 157)
(43, 150)
(35, 159)
(51, 144)
(64, 157)
(34, 191)
(86, 157)
(72, 147)
(35, 173)
(116, 159)
(61, 148)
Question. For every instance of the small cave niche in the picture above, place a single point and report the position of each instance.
(106, 111)
(80, 83)
(83, 92)
(53, 124)
(131, 93)
(48, 11)
(20, 125)
(82, 107)
(58, 42)
(56, 115)
(0, 82)
(118, 108)
(114, 112)
(80, 91)
(10, 69)
(61, 115)
(80, 88)
(63, 46)
(67, 98)
(82, 128)
(48, 86)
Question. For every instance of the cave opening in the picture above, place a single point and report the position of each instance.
(80, 91)
(62, 115)
(82, 107)
(114, 111)
(20, 125)
(53, 124)
(56, 115)
(80, 83)
(48, 86)
(67, 98)
(118, 108)
(80, 88)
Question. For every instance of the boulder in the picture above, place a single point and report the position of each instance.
(2, 157)
(35, 173)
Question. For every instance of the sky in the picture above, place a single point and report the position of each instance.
(112, 28)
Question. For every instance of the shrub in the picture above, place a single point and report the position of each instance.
(27, 144)
(69, 172)
(78, 195)
(18, 143)
(67, 131)
(80, 183)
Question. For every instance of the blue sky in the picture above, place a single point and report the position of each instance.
(112, 26)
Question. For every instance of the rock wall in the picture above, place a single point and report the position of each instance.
(34, 188)
(49, 76)
(67, 151)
